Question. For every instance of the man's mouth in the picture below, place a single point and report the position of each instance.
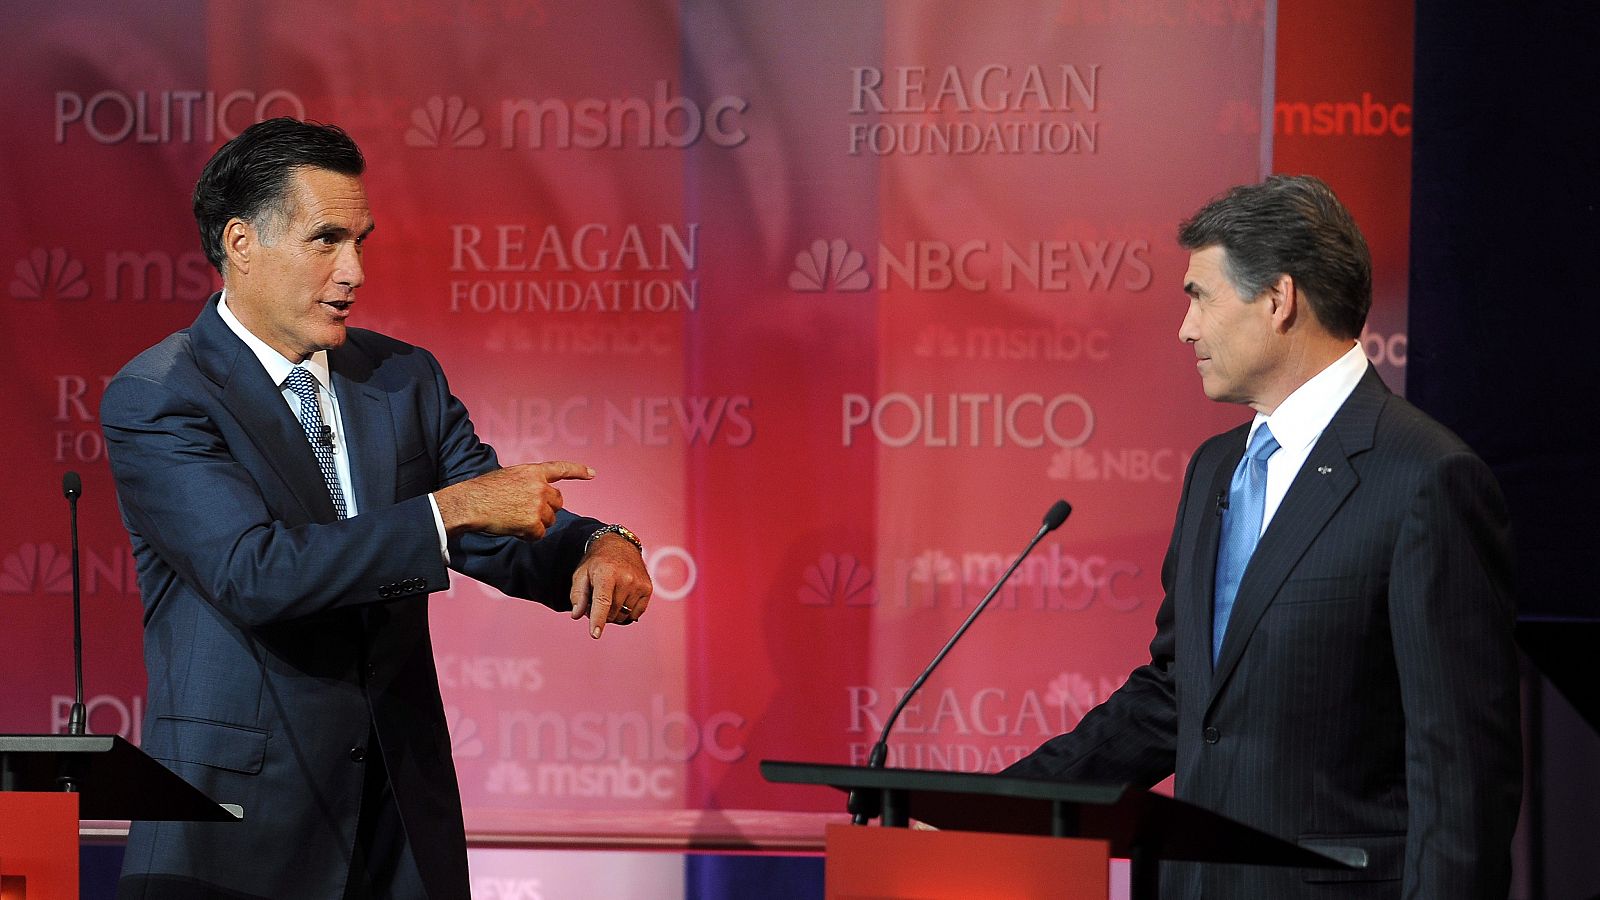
(342, 307)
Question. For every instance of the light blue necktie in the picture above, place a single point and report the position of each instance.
(304, 385)
(1241, 528)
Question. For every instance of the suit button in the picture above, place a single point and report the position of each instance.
(372, 671)
(357, 754)
(1211, 735)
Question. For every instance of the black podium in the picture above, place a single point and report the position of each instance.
(113, 778)
(1142, 826)
(50, 783)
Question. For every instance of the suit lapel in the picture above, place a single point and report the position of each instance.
(368, 427)
(252, 399)
(1317, 492)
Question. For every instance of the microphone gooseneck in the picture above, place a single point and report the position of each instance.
(77, 720)
(864, 805)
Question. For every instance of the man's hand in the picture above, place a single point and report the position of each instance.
(611, 584)
(519, 500)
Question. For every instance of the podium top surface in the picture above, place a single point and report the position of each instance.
(1132, 820)
(113, 778)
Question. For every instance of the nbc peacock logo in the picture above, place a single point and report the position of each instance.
(49, 274)
(829, 264)
(33, 568)
(446, 122)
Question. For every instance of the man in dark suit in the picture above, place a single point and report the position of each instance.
(1333, 659)
(294, 489)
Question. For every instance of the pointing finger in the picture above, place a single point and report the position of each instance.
(556, 470)
(580, 592)
(600, 603)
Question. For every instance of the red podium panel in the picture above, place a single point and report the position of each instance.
(894, 863)
(39, 843)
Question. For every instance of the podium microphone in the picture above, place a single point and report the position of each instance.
(864, 805)
(72, 489)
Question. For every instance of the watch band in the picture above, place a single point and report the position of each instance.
(619, 530)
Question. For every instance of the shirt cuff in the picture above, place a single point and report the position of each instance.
(438, 523)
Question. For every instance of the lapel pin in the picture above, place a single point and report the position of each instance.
(1323, 470)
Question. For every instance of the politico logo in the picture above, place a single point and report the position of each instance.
(1048, 581)
(103, 714)
(992, 108)
(168, 117)
(596, 268)
(665, 120)
(967, 419)
(52, 274)
(978, 265)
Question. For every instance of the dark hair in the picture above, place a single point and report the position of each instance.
(1290, 225)
(248, 178)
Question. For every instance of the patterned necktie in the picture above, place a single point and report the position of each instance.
(304, 385)
(1241, 528)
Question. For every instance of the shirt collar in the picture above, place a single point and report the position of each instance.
(278, 367)
(1300, 418)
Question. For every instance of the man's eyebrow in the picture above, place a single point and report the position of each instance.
(322, 228)
(1191, 289)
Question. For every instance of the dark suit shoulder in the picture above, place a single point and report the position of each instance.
(172, 355)
(1403, 430)
(370, 353)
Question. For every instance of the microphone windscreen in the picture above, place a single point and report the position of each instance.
(1058, 513)
(71, 486)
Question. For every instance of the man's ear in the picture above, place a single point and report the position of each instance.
(1285, 299)
(239, 242)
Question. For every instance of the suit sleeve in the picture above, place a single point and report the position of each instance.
(532, 570)
(182, 491)
(1452, 618)
(1132, 736)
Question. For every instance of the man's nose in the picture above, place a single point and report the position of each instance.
(1189, 329)
(348, 271)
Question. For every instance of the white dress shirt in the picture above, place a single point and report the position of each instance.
(278, 368)
(1300, 419)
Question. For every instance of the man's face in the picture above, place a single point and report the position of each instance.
(1233, 336)
(297, 286)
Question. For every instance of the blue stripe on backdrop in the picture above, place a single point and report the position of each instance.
(712, 877)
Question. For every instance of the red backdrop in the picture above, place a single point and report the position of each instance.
(837, 298)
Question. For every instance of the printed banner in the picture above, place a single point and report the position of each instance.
(837, 298)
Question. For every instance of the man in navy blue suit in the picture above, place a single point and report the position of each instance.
(1333, 660)
(294, 489)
